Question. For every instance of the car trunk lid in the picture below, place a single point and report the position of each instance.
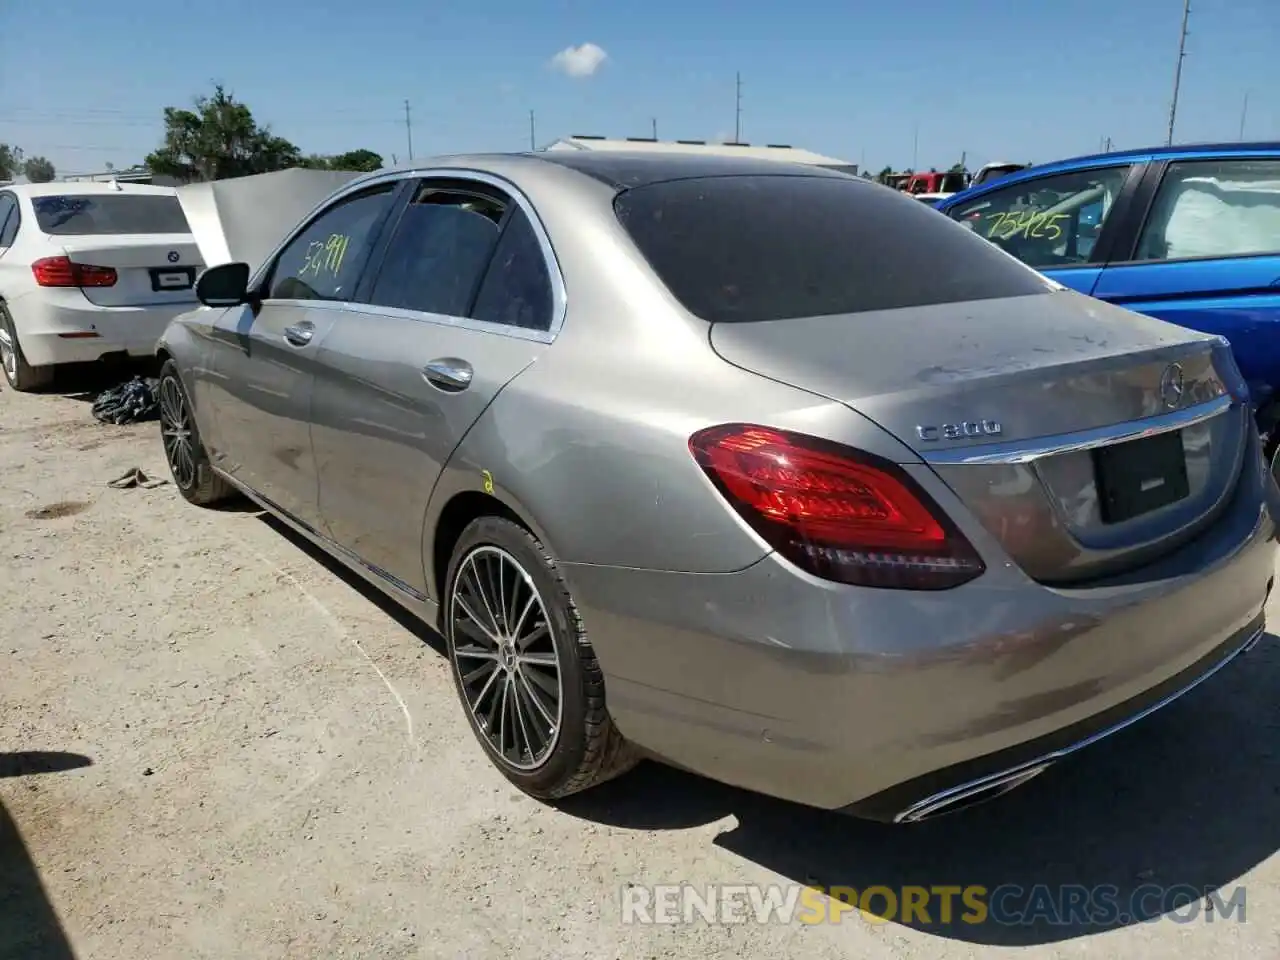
(1032, 410)
(151, 269)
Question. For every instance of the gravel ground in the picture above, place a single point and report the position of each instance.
(214, 744)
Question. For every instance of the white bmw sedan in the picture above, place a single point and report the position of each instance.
(89, 270)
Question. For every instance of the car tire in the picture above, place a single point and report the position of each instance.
(537, 620)
(184, 452)
(21, 375)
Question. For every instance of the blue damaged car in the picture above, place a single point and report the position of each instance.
(1189, 234)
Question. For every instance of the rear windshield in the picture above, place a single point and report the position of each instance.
(774, 247)
(87, 215)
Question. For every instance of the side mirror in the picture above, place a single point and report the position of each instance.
(226, 285)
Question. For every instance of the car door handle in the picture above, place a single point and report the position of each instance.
(300, 334)
(448, 373)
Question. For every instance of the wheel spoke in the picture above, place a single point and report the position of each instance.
(533, 697)
(477, 587)
(475, 653)
(471, 616)
(524, 742)
(489, 667)
(502, 714)
(489, 685)
(524, 615)
(541, 631)
(474, 629)
(545, 683)
(539, 660)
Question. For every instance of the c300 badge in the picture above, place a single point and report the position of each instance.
(964, 430)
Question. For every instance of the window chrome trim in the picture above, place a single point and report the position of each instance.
(1027, 451)
(440, 319)
(559, 293)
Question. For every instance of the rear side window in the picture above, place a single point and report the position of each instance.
(439, 252)
(1220, 208)
(8, 219)
(102, 214)
(742, 248)
(517, 289)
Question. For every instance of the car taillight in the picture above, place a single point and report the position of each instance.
(837, 513)
(63, 272)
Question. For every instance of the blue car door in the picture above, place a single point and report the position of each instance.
(1207, 257)
(1061, 221)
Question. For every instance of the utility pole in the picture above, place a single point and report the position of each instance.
(737, 120)
(531, 136)
(1177, 74)
(655, 128)
(1244, 112)
(408, 128)
(915, 147)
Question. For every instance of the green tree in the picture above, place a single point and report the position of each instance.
(39, 169)
(218, 140)
(10, 161)
(362, 161)
(884, 175)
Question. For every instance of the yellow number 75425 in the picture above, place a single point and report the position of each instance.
(1040, 226)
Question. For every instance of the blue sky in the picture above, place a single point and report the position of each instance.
(84, 83)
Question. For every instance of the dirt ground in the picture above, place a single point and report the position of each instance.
(214, 744)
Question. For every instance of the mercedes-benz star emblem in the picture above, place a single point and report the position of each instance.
(1171, 385)
(173, 256)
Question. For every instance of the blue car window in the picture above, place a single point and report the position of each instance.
(1214, 208)
(1051, 221)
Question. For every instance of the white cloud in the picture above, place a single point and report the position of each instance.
(579, 61)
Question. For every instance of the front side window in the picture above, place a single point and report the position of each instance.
(439, 252)
(325, 260)
(109, 214)
(1215, 208)
(745, 248)
(1048, 222)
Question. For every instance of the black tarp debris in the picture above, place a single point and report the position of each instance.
(130, 402)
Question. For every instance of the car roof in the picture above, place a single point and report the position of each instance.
(82, 188)
(619, 170)
(1179, 151)
(1182, 151)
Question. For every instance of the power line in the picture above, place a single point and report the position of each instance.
(1177, 73)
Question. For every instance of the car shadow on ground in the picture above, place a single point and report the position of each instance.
(29, 926)
(1145, 824)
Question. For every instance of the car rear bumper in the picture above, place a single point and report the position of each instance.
(874, 700)
(55, 326)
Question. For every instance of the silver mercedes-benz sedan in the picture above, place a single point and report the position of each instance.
(685, 457)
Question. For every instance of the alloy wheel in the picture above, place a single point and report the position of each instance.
(176, 432)
(8, 352)
(505, 655)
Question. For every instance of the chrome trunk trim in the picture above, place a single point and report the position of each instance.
(1027, 451)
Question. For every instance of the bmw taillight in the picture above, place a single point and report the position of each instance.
(64, 272)
(837, 513)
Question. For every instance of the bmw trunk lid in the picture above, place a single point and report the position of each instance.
(151, 269)
(1086, 438)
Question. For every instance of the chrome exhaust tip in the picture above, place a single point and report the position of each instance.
(969, 794)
